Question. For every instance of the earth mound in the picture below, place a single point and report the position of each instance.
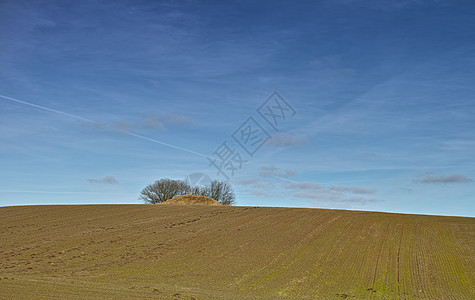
(192, 200)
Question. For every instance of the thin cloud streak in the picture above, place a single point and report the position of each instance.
(105, 125)
(310, 191)
(274, 171)
(56, 192)
(432, 178)
(335, 194)
(354, 190)
(104, 180)
(286, 140)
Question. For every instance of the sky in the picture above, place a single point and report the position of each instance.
(342, 104)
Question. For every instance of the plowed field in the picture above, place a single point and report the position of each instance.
(220, 252)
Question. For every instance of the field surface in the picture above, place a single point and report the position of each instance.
(220, 252)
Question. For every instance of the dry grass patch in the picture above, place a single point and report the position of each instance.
(192, 200)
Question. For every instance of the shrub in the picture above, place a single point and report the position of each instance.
(165, 189)
(162, 190)
(220, 191)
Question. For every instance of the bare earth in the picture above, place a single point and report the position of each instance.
(221, 252)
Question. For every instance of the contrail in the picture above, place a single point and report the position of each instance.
(285, 179)
(333, 182)
(105, 125)
(47, 109)
(55, 192)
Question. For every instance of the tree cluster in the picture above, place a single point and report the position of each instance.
(164, 189)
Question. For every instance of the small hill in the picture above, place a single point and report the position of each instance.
(192, 200)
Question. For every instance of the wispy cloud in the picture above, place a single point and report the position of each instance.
(353, 190)
(61, 192)
(148, 121)
(286, 140)
(254, 183)
(306, 186)
(120, 126)
(104, 180)
(441, 179)
(315, 192)
(99, 124)
(266, 171)
(334, 194)
(336, 198)
(161, 121)
(330, 65)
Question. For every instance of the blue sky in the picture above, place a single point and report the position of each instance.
(100, 98)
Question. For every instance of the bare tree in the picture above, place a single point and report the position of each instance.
(164, 189)
(220, 191)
